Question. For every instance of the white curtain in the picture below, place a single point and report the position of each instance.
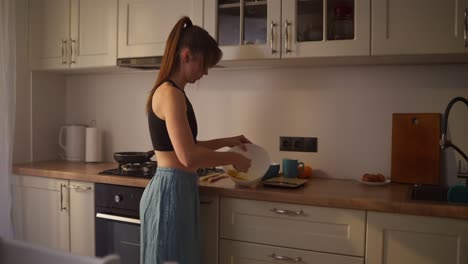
(7, 110)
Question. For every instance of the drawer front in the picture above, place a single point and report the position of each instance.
(323, 229)
(235, 252)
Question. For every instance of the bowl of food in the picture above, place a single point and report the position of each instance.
(260, 164)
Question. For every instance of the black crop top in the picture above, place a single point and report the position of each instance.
(158, 130)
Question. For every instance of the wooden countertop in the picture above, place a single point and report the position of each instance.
(350, 194)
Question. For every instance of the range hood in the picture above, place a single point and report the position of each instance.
(147, 63)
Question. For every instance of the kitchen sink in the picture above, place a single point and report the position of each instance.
(429, 193)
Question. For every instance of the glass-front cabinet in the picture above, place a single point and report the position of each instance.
(254, 29)
(324, 28)
(245, 29)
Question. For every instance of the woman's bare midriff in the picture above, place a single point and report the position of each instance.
(168, 159)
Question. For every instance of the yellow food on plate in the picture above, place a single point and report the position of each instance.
(235, 174)
(232, 173)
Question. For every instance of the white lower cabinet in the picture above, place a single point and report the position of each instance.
(209, 227)
(269, 232)
(235, 252)
(54, 213)
(395, 239)
(332, 230)
(82, 217)
(40, 211)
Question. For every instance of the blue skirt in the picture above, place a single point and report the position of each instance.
(169, 215)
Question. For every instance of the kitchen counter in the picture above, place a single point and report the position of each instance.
(350, 194)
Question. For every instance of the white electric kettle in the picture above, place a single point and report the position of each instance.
(75, 142)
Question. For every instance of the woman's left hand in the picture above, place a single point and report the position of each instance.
(238, 141)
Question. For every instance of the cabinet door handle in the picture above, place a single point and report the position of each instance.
(62, 208)
(465, 37)
(285, 258)
(79, 188)
(206, 202)
(64, 43)
(286, 37)
(272, 39)
(286, 212)
(72, 53)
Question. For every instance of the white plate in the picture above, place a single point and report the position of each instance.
(259, 166)
(387, 181)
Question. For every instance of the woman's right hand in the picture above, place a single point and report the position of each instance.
(241, 163)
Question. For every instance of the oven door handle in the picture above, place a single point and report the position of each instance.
(118, 218)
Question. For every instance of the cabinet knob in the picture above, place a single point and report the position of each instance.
(118, 198)
(465, 33)
(286, 36)
(62, 207)
(72, 51)
(286, 212)
(272, 37)
(64, 59)
(80, 188)
(285, 258)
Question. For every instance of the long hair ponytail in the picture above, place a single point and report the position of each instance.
(184, 35)
(170, 56)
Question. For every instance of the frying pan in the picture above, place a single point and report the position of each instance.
(133, 157)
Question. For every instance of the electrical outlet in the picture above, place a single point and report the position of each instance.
(285, 144)
(299, 144)
(310, 144)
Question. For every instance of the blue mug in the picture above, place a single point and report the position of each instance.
(290, 168)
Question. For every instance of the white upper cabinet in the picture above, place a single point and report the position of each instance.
(394, 238)
(401, 27)
(49, 32)
(73, 33)
(144, 25)
(93, 33)
(249, 29)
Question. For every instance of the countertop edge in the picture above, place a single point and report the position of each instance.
(65, 175)
(399, 206)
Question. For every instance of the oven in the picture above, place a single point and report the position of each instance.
(117, 211)
(117, 221)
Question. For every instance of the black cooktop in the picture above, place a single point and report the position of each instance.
(145, 170)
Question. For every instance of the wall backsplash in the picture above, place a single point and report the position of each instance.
(349, 109)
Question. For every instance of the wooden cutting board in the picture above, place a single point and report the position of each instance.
(415, 148)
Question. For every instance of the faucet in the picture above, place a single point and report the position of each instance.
(446, 143)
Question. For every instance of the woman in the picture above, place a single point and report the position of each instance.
(169, 207)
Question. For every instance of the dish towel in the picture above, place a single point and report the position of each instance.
(169, 215)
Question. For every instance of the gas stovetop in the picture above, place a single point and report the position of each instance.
(144, 170)
(147, 170)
